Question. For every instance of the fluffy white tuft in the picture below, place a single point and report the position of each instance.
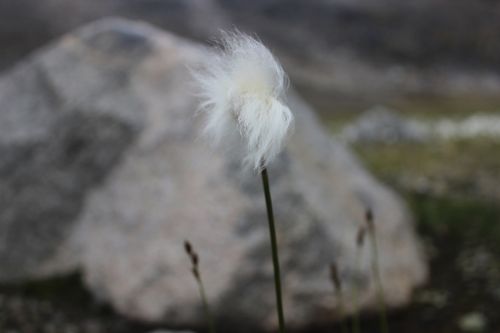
(241, 92)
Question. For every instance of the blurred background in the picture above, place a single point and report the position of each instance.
(412, 87)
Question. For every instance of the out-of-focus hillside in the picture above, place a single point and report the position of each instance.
(423, 32)
(334, 50)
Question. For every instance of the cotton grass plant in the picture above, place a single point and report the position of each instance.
(370, 225)
(360, 241)
(337, 284)
(195, 270)
(241, 90)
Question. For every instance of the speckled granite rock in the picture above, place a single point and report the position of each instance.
(102, 170)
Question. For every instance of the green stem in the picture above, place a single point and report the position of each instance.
(340, 298)
(356, 325)
(274, 247)
(380, 291)
(208, 314)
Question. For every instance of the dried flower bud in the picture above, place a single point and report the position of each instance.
(188, 248)
(334, 276)
(370, 219)
(360, 236)
(194, 259)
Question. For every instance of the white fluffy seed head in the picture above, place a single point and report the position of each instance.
(241, 90)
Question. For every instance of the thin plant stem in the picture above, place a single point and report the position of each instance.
(380, 291)
(274, 248)
(195, 270)
(334, 275)
(356, 327)
(360, 240)
(340, 297)
(345, 329)
(206, 307)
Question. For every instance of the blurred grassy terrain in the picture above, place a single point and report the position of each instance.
(340, 110)
(453, 190)
(462, 170)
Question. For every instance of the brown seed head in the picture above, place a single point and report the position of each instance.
(188, 247)
(370, 219)
(360, 236)
(334, 276)
(194, 259)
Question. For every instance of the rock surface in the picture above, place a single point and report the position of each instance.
(102, 170)
(383, 125)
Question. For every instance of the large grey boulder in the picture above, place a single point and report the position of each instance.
(102, 170)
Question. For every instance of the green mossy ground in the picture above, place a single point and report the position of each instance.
(453, 190)
(452, 186)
